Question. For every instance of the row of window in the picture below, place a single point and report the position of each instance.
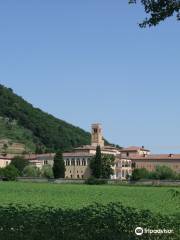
(73, 171)
(123, 164)
(78, 176)
(76, 162)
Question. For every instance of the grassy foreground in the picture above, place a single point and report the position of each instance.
(156, 199)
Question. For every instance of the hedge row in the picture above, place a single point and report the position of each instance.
(101, 222)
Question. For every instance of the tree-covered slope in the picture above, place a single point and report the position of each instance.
(15, 138)
(46, 130)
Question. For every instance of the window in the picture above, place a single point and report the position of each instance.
(82, 176)
(71, 176)
(78, 162)
(77, 176)
(83, 162)
(45, 162)
(72, 162)
(67, 162)
(126, 164)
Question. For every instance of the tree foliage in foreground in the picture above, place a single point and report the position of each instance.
(112, 221)
(158, 10)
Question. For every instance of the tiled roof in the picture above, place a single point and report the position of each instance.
(45, 156)
(48, 156)
(133, 148)
(156, 157)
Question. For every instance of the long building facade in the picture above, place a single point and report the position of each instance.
(77, 162)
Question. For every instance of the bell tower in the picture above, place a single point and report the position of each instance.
(97, 135)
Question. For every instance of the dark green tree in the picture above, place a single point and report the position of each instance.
(158, 10)
(47, 171)
(31, 171)
(20, 163)
(10, 172)
(162, 173)
(96, 163)
(107, 163)
(5, 148)
(39, 149)
(58, 166)
(139, 173)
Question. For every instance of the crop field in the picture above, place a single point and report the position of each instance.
(156, 199)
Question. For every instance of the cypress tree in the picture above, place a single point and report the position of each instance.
(58, 166)
(96, 165)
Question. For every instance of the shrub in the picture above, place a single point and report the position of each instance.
(162, 173)
(96, 222)
(31, 171)
(20, 163)
(139, 173)
(178, 176)
(47, 171)
(95, 181)
(1, 172)
(10, 172)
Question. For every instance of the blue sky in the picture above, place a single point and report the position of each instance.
(88, 61)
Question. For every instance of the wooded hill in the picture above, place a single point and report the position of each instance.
(23, 123)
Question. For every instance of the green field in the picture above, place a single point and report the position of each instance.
(156, 199)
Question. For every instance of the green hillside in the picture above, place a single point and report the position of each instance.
(11, 134)
(23, 123)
